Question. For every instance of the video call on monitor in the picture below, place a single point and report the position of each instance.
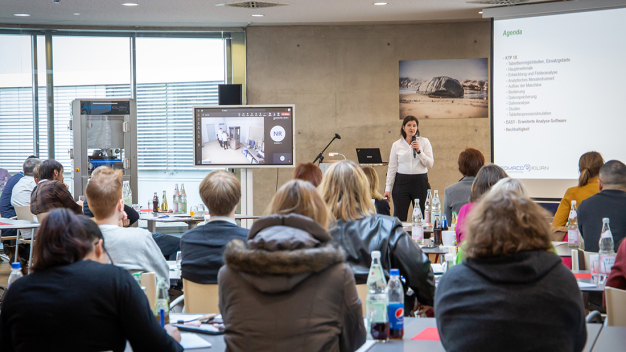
(244, 136)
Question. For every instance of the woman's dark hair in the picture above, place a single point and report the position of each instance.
(47, 168)
(589, 166)
(405, 121)
(64, 238)
(308, 172)
(487, 176)
(470, 161)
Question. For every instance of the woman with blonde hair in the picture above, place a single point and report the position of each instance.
(509, 271)
(381, 205)
(291, 276)
(589, 166)
(360, 231)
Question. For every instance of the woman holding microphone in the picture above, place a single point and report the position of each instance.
(411, 157)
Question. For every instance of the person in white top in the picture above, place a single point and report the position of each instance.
(131, 248)
(24, 188)
(225, 139)
(411, 157)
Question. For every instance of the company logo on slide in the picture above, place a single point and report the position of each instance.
(509, 33)
(277, 133)
(519, 169)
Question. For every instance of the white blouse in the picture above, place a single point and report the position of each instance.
(401, 160)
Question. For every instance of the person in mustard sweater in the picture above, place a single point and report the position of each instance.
(589, 166)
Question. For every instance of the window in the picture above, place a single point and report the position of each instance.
(16, 102)
(173, 74)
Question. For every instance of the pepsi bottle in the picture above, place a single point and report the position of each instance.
(396, 305)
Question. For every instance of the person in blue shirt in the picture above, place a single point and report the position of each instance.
(6, 209)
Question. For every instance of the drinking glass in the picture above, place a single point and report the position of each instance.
(200, 211)
(179, 260)
(193, 211)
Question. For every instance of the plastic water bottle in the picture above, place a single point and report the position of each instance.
(16, 273)
(607, 248)
(396, 305)
(572, 227)
(417, 229)
(427, 218)
(435, 210)
(377, 300)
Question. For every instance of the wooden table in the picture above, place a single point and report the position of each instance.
(611, 339)
(19, 225)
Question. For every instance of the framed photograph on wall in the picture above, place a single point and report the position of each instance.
(444, 89)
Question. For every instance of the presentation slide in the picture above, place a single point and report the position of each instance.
(244, 136)
(559, 87)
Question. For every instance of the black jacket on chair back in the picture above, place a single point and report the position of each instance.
(398, 251)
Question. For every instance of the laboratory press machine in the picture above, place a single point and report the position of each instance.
(104, 134)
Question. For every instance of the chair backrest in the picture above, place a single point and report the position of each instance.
(148, 280)
(23, 213)
(361, 291)
(615, 306)
(562, 249)
(586, 257)
(41, 216)
(201, 299)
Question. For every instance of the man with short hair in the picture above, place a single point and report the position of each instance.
(51, 192)
(131, 248)
(6, 209)
(203, 247)
(24, 188)
(609, 203)
(219, 138)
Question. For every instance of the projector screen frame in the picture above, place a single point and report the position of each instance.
(248, 166)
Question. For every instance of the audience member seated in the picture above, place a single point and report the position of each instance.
(289, 288)
(7, 211)
(203, 247)
(381, 205)
(457, 195)
(131, 248)
(360, 231)
(589, 166)
(169, 245)
(308, 172)
(51, 192)
(74, 301)
(511, 293)
(609, 203)
(486, 177)
(24, 188)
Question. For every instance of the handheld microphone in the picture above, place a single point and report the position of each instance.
(414, 151)
(337, 136)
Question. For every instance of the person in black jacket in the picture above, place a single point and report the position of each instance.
(203, 247)
(360, 231)
(74, 301)
(511, 293)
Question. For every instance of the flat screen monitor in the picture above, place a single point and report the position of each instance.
(244, 136)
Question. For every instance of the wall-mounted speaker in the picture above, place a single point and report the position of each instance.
(229, 94)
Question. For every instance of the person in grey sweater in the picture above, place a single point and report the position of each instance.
(131, 248)
(510, 293)
(457, 195)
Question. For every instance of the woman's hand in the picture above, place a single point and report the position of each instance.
(415, 145)
(386, 196)
(173, 332)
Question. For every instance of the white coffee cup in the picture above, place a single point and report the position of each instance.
(448, 238)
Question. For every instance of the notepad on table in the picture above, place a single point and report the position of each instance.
(191, 341)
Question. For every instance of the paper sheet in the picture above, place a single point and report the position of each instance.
(584, 284)
(366, 346)
(174, 318)
(428, 334)
(191, 341)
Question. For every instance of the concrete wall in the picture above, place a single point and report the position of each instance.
(344, 79)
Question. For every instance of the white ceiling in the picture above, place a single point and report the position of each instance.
(202, 13)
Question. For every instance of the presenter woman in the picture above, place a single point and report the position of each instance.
(411, 157)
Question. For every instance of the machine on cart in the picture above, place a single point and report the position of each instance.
(104, 134)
